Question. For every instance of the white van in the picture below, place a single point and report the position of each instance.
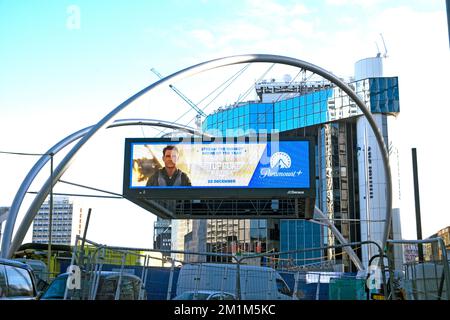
(256, 283)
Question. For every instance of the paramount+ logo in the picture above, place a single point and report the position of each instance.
(279, 162)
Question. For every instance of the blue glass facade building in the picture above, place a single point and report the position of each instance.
(300, 234)
(329, 115)
(379, 94)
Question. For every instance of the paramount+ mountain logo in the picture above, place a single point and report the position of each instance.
(280, 162)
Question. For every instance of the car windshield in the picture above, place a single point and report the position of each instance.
(189, 295)
(56, 289)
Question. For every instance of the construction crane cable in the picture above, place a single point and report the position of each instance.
(224, 88)
(180, 94)
(246, 92)
(230, 80)
(23, 153)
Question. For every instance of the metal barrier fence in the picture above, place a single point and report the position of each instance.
(305, 274)
(424, 277)
(244, 277)
(119, 265)
(271, 275)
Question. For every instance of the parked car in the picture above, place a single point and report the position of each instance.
(17, 281)
(131, 287)
(40, 272)
(205, 295)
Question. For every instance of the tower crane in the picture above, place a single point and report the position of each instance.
(199, 111)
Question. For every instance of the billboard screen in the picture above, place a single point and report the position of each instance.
(220, 168)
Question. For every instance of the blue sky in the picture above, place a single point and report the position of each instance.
(56, 79)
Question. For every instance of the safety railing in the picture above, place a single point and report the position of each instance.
(415, 276)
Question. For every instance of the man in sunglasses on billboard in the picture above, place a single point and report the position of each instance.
(170, 175)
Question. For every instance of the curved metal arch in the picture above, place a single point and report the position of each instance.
(23, 189)
(221, 62)
(26, 183)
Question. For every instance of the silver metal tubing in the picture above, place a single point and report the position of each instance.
(18, 199)
(190, 71)
(349, 250)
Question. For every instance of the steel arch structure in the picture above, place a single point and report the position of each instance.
(202, 67)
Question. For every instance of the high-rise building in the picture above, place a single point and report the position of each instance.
(67, 222)
(180, 228)
(350, 180)
(162, 235)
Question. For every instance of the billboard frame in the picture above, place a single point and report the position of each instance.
(215, 193)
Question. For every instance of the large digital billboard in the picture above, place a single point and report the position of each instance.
(219, 168)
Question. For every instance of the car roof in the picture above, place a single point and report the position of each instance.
(15, 263)
(108, 274)
(32, 262)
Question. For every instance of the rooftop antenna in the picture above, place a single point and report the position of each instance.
(384, 44)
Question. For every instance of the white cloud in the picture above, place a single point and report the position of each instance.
(240, 31)
(263, 8)
(302, 28)
(271, 9)
(261, 26)
(300, 9)
(205, 37)
(360, 3)
(346, 21)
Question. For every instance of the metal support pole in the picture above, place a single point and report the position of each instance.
(391, 264)
(119, 282)
(295, 294)
(81, 262)
(169, 286)
(50, 218)
(318, 288)
(238, 280)
(448, 18)
(417, 203)
(143, 277)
